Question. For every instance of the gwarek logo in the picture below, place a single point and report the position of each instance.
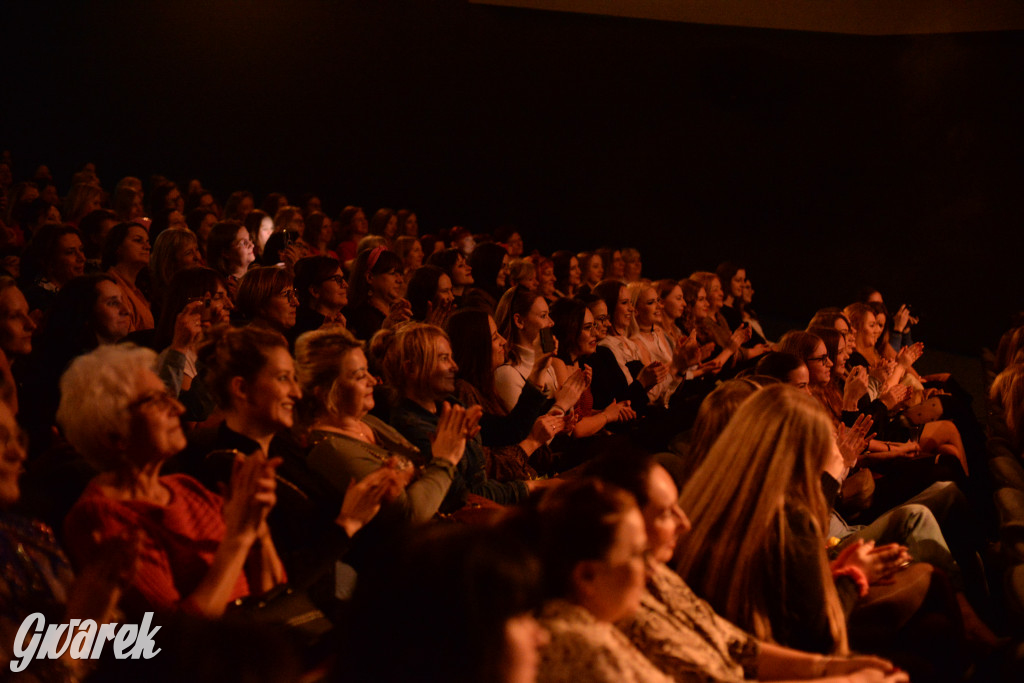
(130, 641)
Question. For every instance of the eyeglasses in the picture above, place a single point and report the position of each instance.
(290, 294)
(337, 279)
(601, 319)
(819, 359)
(244, 242)
(160, 399)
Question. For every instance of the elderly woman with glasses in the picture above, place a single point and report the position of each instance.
(199, 551)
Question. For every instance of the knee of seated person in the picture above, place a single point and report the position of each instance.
(912, 516)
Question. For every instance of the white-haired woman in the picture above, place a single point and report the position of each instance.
(199, 551)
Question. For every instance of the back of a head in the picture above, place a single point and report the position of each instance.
(577, 521)
(714, 414)
(486, 261)
(826, 317)
(469, 333)
(421, 289)
(778, 365)
(799, 343)
(435, 609)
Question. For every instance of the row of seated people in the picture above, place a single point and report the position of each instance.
(252, 444)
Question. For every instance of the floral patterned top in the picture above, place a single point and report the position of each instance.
(585, 650)
(682, 635)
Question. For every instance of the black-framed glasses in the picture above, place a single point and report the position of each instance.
(337, 279)
(823, 359)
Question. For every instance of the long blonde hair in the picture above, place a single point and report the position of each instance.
(765, 466)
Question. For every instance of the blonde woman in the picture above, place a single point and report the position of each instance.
(348, 443)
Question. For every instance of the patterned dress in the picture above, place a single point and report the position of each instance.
(682, 635)
(585, 650)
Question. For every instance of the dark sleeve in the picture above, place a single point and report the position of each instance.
(474, 475)
(470, 474)
(498, 431)
(798, 616)
(732, 317)
(363, 321)
(608, 382)
(830, 487)
(875, 409)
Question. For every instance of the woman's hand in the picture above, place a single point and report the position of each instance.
(688, 352)
(618, 412)
(900, 319)
(251, 495)
(895, 395)
(363, 499)
(400, 311)
(711, 367)
(454, 426)
(542, 361)
(758, 350)
(852, 441)
(738, 338)
(883, 371)
(188, 327)
(404, 472)
(856, 387)
(653, 374)
(839, 666)
(545, 428)
(567, 395)
(438, 312)
(877, 564)
(290, 255)
(908, 355)
(864, 669)
(877, 676)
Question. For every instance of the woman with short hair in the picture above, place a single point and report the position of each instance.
(419, 365)
(347, 443)
(323, 293)
(117, 414)
(266, 296)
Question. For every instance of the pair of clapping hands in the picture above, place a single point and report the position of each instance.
(363, 498)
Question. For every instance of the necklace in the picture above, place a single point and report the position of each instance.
(361, 431)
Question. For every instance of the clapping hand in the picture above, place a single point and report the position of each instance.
(399, 312)
(853, 441)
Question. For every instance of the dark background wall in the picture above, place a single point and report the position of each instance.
(824, 162)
